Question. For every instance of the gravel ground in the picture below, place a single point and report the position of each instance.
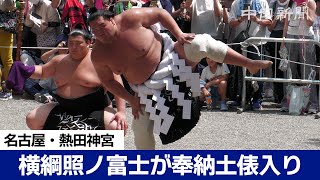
(265, 129)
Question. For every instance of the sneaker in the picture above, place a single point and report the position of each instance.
(4, 96)
(49, 98)
(40, 98)
(284, 105)
(256, 106)
(284, 109)
(312, 111)
(9, 95)
(223, 106)
(235, 103)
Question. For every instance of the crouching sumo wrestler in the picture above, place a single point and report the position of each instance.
(81, 99)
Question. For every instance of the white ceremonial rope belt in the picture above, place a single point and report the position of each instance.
(170, 66)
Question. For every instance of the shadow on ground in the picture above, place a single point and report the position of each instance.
(314, 141)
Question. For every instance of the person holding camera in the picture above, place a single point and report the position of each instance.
(44, 20)
(252, 18)
(181, 15)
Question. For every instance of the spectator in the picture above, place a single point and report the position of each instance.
(316, 29)
(256, 25)
(181, 15)
(228, 33)
(106, 5)
(74, 15)
(276, 29)
(40, 89)
(206, 17)
(6, 39)
(44, 21)
(162, 4)
(298, 24)
(61, 45)
(48, 84)
(215, 76)
(121, 6)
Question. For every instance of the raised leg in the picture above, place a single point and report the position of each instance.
(203, 45)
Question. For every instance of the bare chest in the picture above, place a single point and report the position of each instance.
(83, 74)
(136, 57)
(131, 45)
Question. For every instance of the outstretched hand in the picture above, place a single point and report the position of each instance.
(185, 38)
(136, 107)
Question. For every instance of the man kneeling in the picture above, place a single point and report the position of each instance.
(82, 101)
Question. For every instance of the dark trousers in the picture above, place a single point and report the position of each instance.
(318, 54)
(257, 96)
(273, 49)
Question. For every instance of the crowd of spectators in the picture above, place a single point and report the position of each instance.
(47, 24)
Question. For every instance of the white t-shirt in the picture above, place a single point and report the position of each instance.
(207, 74)
(204, 20)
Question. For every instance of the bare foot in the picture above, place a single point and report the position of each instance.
(255, 65)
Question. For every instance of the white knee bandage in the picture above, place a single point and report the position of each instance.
(203, 45)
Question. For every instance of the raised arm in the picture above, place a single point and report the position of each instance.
(188, 4)
(176, 13)
(55, 3)
(217, 8)
(146, 17)
(285, 28)
(225, 15)
(47, 56)
(310, 15)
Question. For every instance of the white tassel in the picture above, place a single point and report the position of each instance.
(161, 73)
